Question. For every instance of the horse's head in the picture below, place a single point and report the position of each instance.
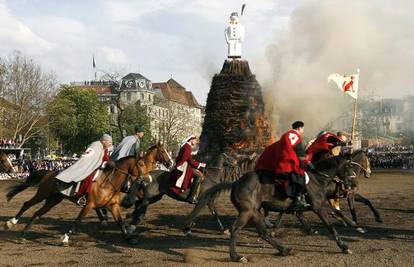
(134, 168)
(158, 153)
(163, 156)
(5, 163)
(340, 168)
(361, 163)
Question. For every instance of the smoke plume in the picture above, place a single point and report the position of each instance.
(338, 36)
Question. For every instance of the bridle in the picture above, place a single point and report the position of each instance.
(359, 165)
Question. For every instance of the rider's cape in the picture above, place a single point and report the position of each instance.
(90, 160)
(280, 156)
(182, 174)
(322, 144)
(129, 146)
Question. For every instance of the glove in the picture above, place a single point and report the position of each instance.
(203, 165)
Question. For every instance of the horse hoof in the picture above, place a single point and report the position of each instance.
(131, 229)
(286, 252)
(132, 241)
(104, 223)
(361, 230)
(379, 220)
(65, 240)
(8, 225)
(243, 260)
(188, 233)
(268, 223)
(347, 251)
(226, 232)
(313, 232)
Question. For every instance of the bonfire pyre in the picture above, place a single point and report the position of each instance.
(235, 122)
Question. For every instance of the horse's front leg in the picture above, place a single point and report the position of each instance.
(85, 210)
(362, 199)
(116, 213)
(322, 212)
(213, 212)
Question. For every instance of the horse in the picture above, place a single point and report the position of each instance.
(160, 186)
(338, 189)
(156, 153)
(105, 192)
(5, 163)
(256, 190)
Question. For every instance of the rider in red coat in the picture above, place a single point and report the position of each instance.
(323, 145)
(186, 173)
(286, 159)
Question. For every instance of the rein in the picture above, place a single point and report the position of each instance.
(359, 165)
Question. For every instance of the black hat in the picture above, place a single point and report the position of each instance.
(297, 124)
(139, 129)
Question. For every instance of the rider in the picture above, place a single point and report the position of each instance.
(286, 158)
(186, 169)
(130, 145)
(94, 156)
(325, 145)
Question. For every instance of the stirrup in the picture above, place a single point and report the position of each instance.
(82, 201)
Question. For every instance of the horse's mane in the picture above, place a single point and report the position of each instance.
(357, 152)
(329, 163)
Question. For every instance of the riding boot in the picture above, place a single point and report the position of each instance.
(192, 197)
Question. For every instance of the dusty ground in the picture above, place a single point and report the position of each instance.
(163, 244)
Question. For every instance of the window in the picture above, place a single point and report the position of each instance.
(142, 96)
(128, 96)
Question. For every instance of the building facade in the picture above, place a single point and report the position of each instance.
(173, 111)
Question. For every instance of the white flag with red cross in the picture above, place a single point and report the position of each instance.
(346, 83)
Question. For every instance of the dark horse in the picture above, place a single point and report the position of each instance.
(5, 163)
(160, 186)
(342, 189)
(105, 192)
(256, 190)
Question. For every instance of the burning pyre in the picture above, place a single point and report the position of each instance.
(234, 122)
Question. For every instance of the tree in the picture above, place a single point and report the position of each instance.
(77, 118)
(136, 115)
(25, 91)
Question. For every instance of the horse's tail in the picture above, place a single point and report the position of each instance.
(209, 196)
(34, 178)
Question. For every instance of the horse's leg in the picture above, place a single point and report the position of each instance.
(351, 206)
(102, 215)
(26, 205)
(240, 222)
(116, 213)
(322, 212)
(258, 219)
(85, 210)
(362, 199)
(139, 212)
(50, 202)
(309, 230)
(213, 212)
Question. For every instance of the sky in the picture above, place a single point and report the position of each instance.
(158, 38)
(292, 45)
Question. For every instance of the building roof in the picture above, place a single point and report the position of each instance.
(134, 76)
(174, 91)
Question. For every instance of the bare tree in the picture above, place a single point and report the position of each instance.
(26, 90)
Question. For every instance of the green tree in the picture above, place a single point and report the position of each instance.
(77, 118)
(136, 115)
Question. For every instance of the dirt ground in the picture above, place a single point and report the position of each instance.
(163, 244)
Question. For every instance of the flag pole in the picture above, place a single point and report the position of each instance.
(354, 115)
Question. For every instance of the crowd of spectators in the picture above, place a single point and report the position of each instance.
(393, 156)
(23, 168)
(9, 143)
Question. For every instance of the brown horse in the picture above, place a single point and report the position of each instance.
(105, 192)
(156, 153)
(5, 163)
